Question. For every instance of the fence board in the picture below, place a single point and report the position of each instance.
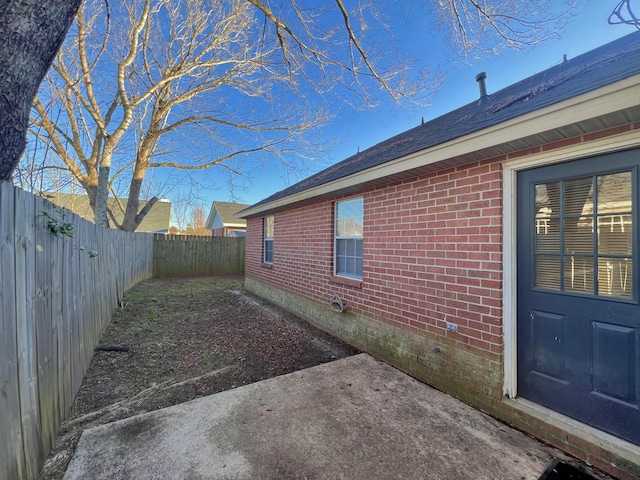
(45, 341)
(11, 448)
(65, 347)
(27, 348)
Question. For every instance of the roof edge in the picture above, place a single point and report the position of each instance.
(608, 99)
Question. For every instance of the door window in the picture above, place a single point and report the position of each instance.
(583, 235)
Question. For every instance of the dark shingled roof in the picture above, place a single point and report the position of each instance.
(605, 65)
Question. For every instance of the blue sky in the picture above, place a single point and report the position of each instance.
(362, 129)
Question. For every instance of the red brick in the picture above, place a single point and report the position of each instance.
(561, 143)
(527, 151)
(606, 133)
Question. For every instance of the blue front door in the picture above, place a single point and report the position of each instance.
(578, 290)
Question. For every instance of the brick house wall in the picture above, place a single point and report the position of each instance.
(432, 254)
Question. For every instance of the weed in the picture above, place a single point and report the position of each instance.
(136, 293)
(154, 314)
(57, 225)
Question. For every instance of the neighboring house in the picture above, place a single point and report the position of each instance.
(158, 220)
(223, 222)
(492, 252)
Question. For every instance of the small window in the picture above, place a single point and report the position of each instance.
(268, 239)
(348, 235)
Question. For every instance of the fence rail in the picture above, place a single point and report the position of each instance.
(57, 295)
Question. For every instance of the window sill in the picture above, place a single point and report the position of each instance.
(267, 265)
(350, 282)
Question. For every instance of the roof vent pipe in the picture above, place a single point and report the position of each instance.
(480, 78)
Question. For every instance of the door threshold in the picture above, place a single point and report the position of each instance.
(617, 446)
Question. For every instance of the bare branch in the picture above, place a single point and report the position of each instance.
(193, 84)
(202, 166)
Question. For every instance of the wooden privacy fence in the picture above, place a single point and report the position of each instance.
(186, 255)
(57, 294)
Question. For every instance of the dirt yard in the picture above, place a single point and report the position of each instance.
(173, 340)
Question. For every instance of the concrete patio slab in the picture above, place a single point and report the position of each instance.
(355, 418)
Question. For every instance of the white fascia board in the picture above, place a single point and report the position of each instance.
(611, 98)
(235, 225)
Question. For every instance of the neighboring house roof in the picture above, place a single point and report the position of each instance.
(222, 214)
(606, 65)
(157, 220)
(238, 234)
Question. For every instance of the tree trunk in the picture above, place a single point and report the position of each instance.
(131, 220)
(31, 32)
(102, 195)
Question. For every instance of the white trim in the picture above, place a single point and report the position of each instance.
(622, 141)
(608, 99)
(265, 239)
(509, 281)
(610, 443)
(510, 169)
(336, 237)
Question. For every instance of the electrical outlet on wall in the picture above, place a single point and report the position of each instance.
(452, 327)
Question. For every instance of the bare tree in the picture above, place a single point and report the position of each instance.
(41, 173)
(171, 70)
(191, 84)
(199, 217)
(198, 220)
(180, 209)
(31, 31)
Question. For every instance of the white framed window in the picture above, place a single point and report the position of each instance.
(349, 222)
(268, 239)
